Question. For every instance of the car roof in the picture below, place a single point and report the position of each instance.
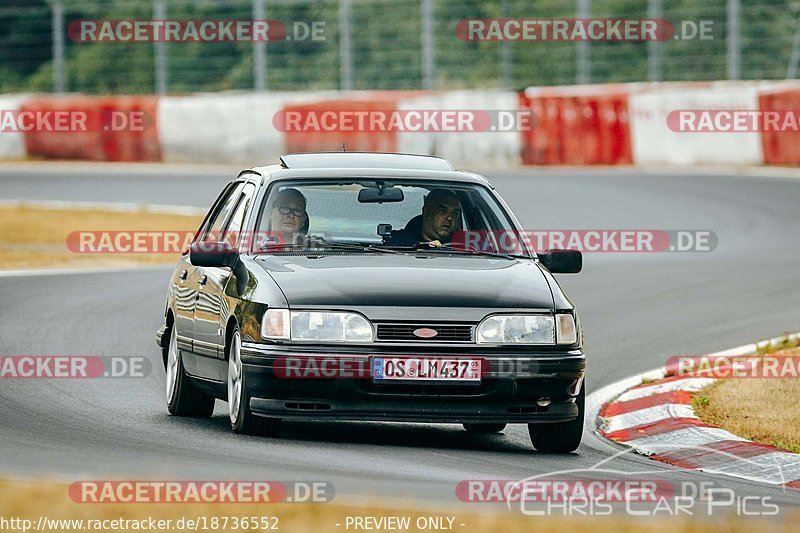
(365, 160)
(365, 165)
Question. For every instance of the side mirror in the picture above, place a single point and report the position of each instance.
(213, 254)
(562, 261)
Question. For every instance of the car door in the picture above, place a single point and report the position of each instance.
(196, 363)
(213, 308)
(184, 284)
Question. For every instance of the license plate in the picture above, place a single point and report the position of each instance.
(425, 369)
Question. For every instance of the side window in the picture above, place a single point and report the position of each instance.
(233, 230)
(211, 232)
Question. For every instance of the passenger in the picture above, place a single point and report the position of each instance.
(288, 217)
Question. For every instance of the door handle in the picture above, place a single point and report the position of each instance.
(184, 275)
(203, 280)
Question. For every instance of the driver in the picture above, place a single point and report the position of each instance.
(441, 216)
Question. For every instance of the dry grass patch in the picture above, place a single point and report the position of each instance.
(34, 237)
(30, 500)
(761, 410)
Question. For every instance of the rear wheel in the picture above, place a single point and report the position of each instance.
(242, 418)
(560, 437)
(484, 428)
(183, 398)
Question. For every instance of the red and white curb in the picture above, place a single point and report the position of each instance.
(653, 415)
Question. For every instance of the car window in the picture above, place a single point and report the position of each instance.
(335, 212)
(232, 232)
(223, 210)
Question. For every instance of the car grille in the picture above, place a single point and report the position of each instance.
(445, 332)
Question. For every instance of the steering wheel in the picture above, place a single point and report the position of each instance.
(313, 241)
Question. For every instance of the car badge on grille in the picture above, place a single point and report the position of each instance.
(425, 333)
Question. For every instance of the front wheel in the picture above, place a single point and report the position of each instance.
(183, 398)
(242, 418)
(484, 428)
(559, 437)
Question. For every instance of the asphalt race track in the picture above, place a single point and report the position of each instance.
(637, 310)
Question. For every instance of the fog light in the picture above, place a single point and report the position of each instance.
(543, 402)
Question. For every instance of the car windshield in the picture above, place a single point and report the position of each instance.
(384, 214)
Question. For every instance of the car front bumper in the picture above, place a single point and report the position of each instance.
(513, 389)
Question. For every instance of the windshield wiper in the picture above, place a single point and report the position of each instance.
(448, 247)
(335, 245)
(316, 244)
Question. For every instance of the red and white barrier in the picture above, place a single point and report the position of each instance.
(106, 133)
(225, 127)
(308, 140)
(654, 143)
(464, 147)
(780, 148)
(493, 147)
(12, 143)
(615, 124)
(577, 125)
(632, 124)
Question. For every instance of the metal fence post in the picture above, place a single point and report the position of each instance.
(791, 71)
(59, 83)
(505, 53)
(733, 39)
(259, 51)
(582, 47)
(345, 50)
(160, 49)
(654, 47)
(427, 44)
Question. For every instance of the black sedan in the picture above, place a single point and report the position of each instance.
(382, 287)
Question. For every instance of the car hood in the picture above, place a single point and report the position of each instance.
(408, 281)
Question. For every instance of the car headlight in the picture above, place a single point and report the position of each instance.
(517, 329)
(321, 326)
(566, 330)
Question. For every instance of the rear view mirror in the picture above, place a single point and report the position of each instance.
(562, 261)
(369, 195)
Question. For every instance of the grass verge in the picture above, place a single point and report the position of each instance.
(761, 410)
(36, 237)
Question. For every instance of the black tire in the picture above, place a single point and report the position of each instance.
(559, 437)
(242, 419)
(484, 428)
(185, 398)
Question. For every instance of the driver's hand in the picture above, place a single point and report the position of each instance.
(435, 244)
